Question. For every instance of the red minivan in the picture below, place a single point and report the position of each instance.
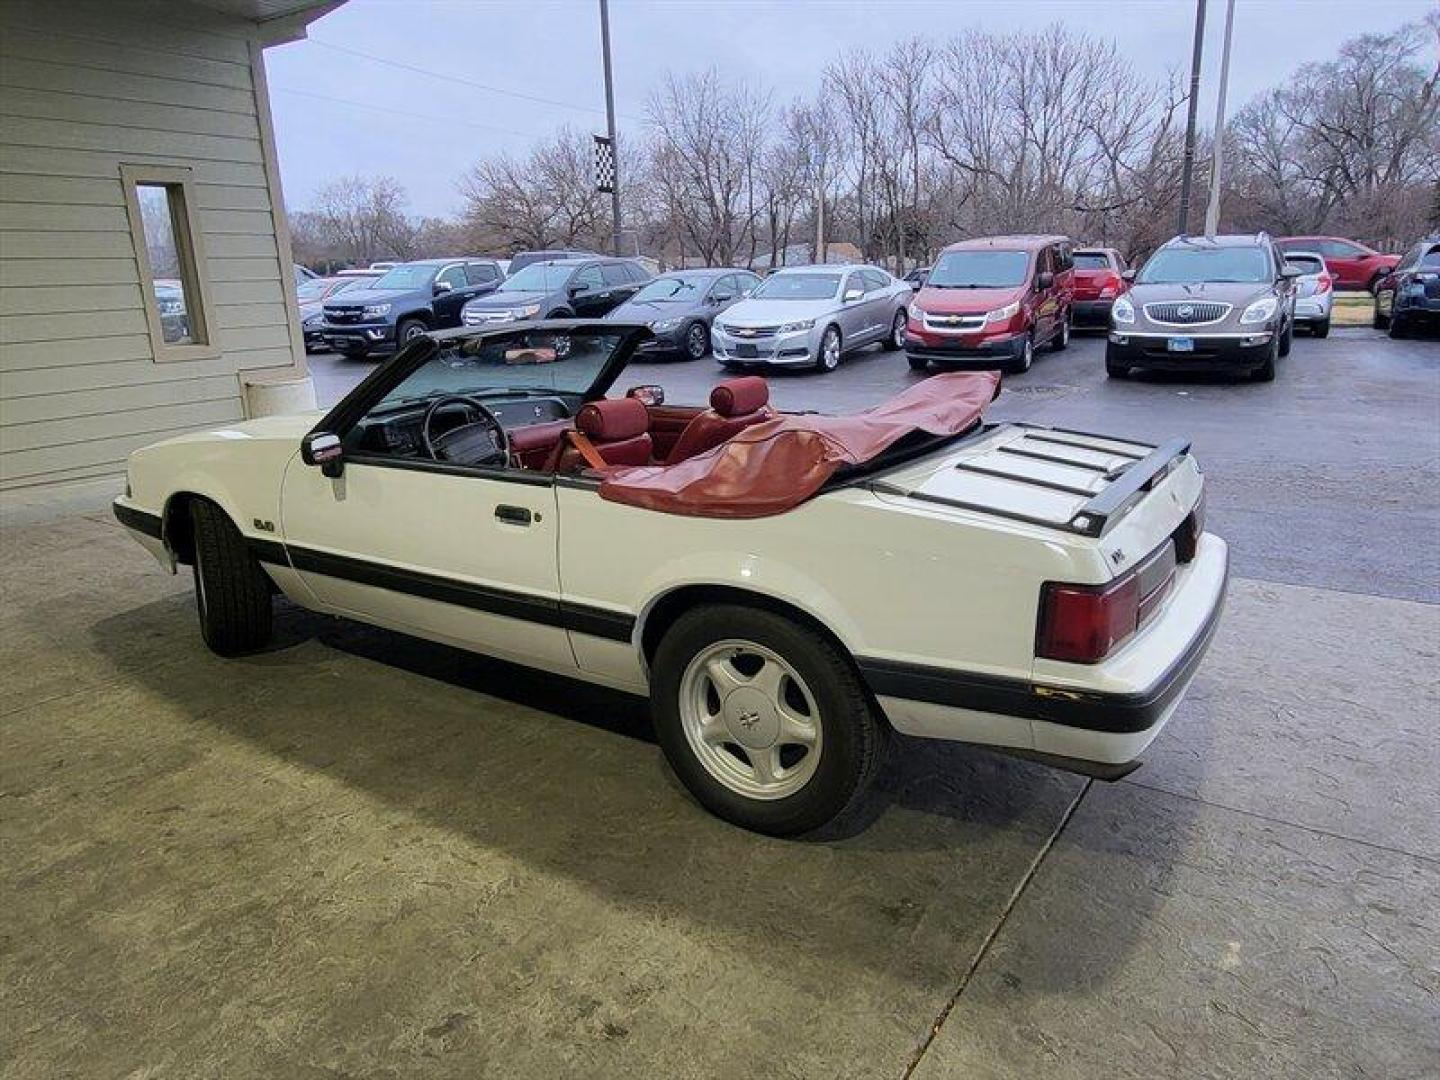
(991, 302)
(1098, 282)
(1351, 264)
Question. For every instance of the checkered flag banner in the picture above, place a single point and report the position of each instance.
(604, 164)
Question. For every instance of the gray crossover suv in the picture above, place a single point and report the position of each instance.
(1214, 303)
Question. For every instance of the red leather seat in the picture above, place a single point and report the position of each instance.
(619, 429)
(735, 404)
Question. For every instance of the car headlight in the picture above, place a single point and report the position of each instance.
(791, 327)
(1009, 311)
(916, 312)
(375, 311)
(314, 320)
(529, 311)
(1122, 311)
(662, 325)
(1261, 310)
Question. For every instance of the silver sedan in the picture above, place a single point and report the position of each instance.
(813, 315)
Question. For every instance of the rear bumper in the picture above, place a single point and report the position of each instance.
(1091, 312)
(1098, 726)
(1151, 351)
(1310, 310)
(966, 351)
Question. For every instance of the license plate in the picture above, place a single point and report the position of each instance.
(1181, 344)
(746, 350)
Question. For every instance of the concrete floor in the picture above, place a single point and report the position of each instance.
(363, 855)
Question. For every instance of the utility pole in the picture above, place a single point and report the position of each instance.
(610, 125)
(1187, 167)
(1212, 212)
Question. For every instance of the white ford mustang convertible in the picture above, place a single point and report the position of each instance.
(785, 587)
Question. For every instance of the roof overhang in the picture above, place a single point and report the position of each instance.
(278, 21)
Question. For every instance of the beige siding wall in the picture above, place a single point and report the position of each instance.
(84, 87)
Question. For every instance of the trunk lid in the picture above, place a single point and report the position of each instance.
(1128, 496)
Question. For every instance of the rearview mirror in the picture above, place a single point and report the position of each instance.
(647, 395)
(442, 287)
(851, 295)
(323, 448)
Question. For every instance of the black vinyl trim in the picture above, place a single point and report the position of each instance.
(1029, 700)
(141, 521)
(547, 611)
(508, 475)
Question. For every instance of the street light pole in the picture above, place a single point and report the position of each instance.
(610, 125)
(1187, 167)
(1217, 152)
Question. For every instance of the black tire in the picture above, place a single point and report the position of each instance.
(896, 341)
(827, 360)
(853, 738)
(1061, 341)
(560, 313)
(917, 363)
(1398, 329)
(1266, 371)
(1116, 371)
(697, 333)
(354, 354)
(1379, 320)
(232, 593)
(407, 330)
(1287, 338)
(1320, 329)
(1026, 359)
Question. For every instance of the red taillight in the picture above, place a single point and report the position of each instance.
(1082, 623)
(1323, 283)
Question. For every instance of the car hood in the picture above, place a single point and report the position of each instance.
(1227, 292)
(771, 312)
(500, 300)
(940, 301)
(361, 297)
(648, 311)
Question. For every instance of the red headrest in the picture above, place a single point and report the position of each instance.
(618, 418)
(736, 397)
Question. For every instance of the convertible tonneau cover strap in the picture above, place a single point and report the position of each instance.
(776, 465)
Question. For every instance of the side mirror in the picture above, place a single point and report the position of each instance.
(717, 300)
(1127, 275)
(442, 287)
(647, 395)
(851, 295)
(1044, 280)
(323, 448)
(1292, 272)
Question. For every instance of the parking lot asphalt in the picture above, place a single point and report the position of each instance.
(363, 855)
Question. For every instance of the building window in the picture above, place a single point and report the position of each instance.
(173, 282)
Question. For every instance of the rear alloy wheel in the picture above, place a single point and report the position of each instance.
(697, 341)
(232, 593)
(897, 331)
(828, 356)
(764, 720)
(1062, 339)
(1027, 356)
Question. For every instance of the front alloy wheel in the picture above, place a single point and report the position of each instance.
(1027, 355)
(697, 341)
(829, 355)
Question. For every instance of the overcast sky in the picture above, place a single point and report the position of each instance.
(339, 112)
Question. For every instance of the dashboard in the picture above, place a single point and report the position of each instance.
(399, 432)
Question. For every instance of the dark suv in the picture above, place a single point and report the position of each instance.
(1205, 303)
(405, 302)
(559, 289)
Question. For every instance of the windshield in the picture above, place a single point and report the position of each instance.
(798, 287)
(979, 270)
(539, 277)
(415, 276)
(1180, 266)
(1085, 260)
(673, 289)
(540, 361)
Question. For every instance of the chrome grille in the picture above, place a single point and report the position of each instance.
(1187, 312)
(338, 315)
(750, 333)
(953, 322)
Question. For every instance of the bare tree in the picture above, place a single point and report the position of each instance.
(363, 219)
(545, 199)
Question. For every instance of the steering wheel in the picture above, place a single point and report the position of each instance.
(479, 442)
